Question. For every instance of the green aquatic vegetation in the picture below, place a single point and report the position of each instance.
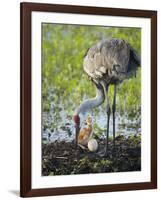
(86, 165)
(133, 139)
(46, 106)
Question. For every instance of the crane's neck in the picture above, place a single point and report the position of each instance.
(91, 103)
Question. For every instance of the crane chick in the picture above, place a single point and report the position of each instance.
(86, 133)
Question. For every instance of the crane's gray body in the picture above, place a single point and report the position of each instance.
(107, 62)
(111, 61)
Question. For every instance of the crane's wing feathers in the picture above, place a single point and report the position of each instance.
(108, 58)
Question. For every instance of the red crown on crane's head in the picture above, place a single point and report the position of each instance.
(76, 119)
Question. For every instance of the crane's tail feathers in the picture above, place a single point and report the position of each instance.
(135, 57)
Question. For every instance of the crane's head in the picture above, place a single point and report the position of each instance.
(76, 120)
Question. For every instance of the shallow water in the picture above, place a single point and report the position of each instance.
(61, 128)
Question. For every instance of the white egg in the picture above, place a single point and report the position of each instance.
(92, 145)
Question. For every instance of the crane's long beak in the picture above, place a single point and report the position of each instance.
(77, 129)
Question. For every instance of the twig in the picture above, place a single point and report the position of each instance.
(83, 147)
(61, 157)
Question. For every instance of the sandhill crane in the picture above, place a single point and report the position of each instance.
(107, 62)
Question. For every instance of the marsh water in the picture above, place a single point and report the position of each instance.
(58, 126)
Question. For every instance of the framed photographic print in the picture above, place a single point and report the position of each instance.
(88, 99)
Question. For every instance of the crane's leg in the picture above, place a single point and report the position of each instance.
(113, 111)
(76, 136)
(108, 111)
